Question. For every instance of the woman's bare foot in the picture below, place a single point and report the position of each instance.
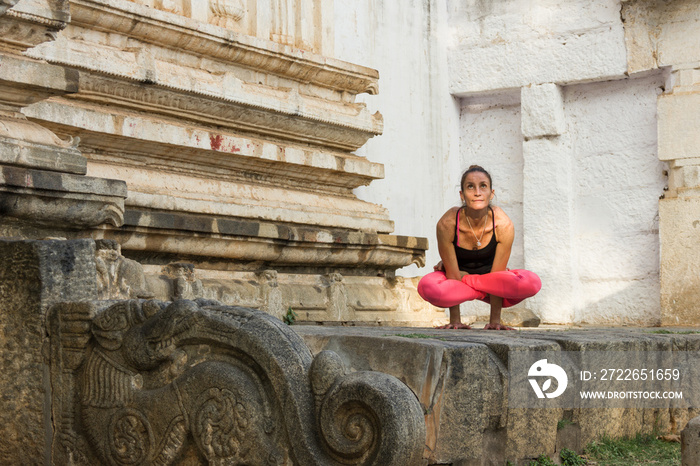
(456, 326)
(497, 327)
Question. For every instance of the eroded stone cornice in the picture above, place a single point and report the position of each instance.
(130, 133)
(285, 115)
(21, 30)
(272, 244)
(178, 32)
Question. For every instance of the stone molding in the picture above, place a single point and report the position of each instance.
(287, 116)
(237, 382)
(325, 298)
(147, 24)
(60, 199)
(267, 244)
(41, 175)
(28, 24)
(131, 139)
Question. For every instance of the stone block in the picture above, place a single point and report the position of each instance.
(33, 276)
(690, 443)
(542, 111)
(598, 53)
(678, 124)
(519, 317)
(676, 34)
(680, 263)
(30, 23)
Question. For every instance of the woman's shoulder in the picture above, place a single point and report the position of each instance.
(448, 219)
(501, 219)
(499, 214)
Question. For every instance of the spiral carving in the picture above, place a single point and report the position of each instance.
(350, 429)
(221, 424)
(130, 438)
(371, 418)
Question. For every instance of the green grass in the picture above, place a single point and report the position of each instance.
(643, 449)
(543, 460)
(290, 317)
(563, 423)
(570, 458)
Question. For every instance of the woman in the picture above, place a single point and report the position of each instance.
(474, 242)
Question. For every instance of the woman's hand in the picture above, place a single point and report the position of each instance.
(441, 268)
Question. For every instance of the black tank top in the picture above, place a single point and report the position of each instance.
(476, 261)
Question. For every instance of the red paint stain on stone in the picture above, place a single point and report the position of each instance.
(215, 140)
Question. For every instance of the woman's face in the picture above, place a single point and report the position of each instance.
(476, 191)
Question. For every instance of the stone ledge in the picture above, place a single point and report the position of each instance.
(60, 199)
(460, 379)
(29, 81)
(283, 113)
(61, 182)
(126, 135)
(268, 243)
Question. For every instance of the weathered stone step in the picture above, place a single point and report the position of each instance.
(461, 378)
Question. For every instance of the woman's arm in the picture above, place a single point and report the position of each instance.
(445, 236)
(505, 234)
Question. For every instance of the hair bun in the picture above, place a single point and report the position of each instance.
(475, 168)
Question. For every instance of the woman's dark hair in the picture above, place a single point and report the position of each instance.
(472, 169)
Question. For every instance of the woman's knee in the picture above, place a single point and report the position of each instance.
(429, 289)
(533, 283)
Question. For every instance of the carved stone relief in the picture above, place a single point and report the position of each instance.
(226, 13)
(117, 276)
(186, 285)
(147, 382)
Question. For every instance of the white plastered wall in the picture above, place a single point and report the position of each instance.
(537, 93)
(405, 42)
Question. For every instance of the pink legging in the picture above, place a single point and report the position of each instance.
(511, 285)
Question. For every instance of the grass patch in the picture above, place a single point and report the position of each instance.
(561, 423)
(543, 460)
(570, 458)
(642, 449)
(290, 317)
